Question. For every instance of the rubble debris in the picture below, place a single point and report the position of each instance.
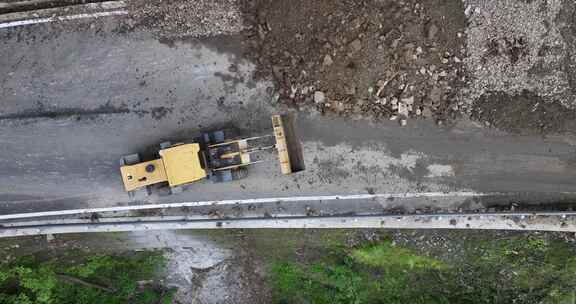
(382, 53)
(319, 97)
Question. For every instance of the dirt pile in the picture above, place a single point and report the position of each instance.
(182, 18)
(391, 59)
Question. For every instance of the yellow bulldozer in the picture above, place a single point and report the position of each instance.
(217, 156)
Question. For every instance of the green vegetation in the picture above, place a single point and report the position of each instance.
(517, 269)
(97, 279)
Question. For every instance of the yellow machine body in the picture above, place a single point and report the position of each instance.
(177, 165)
(287, 144)
(182, 164)
(136, 176)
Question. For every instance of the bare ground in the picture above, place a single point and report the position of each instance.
(505, 64)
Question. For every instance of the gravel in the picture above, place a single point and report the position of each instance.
(513, 46)
(181, 18)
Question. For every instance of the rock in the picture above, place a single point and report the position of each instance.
(327, 60)
(355, 45)
(409, 101)
(50, 237)
(403, 122)
(350, 90)
(278, 73)
(319, 97)
(419, 50)
(468, 11)
(432, 31)
(403, 109)
(427, 113)
(457, 60)
(435, 95)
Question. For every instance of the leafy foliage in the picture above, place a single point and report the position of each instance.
(99, 279)
(516, 270)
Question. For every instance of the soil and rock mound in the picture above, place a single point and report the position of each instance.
(388, 59)
(507, 64)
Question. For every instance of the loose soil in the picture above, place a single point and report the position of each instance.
(531, 114)
(506, 64)
(385, 58)
(493, 61)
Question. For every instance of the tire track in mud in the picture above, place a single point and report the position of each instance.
(67, 112)
(58, 113)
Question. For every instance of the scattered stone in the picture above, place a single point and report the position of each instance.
(427, 113)
(403, 109)
(350, 90)
(355, 45)
(319, 97)
(403, 122)
(432, 31)
(327, 60)
(409, 100)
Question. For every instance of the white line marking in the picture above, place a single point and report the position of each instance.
(249, 201)
(62, 18)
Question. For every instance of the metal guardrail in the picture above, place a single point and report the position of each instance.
(539, 221)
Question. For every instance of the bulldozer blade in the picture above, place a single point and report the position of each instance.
(288, 145)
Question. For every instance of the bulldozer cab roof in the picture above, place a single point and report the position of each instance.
(182, 164)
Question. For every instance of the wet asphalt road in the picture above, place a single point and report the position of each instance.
(73, 102)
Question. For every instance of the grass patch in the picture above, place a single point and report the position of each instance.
(386, 256)
(96, 279)
(517, 269)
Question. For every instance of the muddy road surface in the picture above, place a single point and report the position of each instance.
(76, 96)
